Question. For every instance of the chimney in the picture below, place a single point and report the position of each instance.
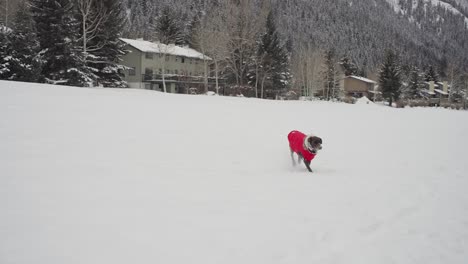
(445, 87)
(431, 87)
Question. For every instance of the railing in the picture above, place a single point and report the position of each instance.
(178, 78)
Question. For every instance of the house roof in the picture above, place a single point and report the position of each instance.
(440, 91)
(435, 84)
(428, 92)
(147, 46)
(361, 79)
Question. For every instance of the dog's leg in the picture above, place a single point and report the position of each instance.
(307, 164)
(299, 158)
(292, 157)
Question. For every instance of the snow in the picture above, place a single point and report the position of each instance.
(363, 100)
(96, 175)
(361, 79)
(440, 91)
(147, 46)
(447, 6)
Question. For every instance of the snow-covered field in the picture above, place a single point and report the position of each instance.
(108, 176)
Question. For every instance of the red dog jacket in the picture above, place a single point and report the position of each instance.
(296, 143)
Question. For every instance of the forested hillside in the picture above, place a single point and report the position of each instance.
(427, 35)
(271, 44)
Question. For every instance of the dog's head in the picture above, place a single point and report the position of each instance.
(314, 144)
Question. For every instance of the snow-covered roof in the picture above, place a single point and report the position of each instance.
(361, 79)
(147, 46)
(435, 84)
(429, 92)
(440, 91)
(442, 84)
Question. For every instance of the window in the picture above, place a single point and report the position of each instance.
(167, 57)
(182, 60)
(132, 71)
(148, 73)
(160, 71)
(191, 61)
(196, 61)
(176, 58)
(149, 55)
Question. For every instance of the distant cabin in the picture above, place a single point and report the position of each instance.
(356, 86)
(436, 92)
(147, 62)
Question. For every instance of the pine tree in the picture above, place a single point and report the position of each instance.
(459, 87)
(389, 79)
(331, 77)
(58, 33)
(168, 29)
(5, 45)
(26, 59)
(348, 66)
(107, 57)
(274, 57)
(415, 84)
(431, 75)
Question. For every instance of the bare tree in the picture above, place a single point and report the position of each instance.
(92, 15)
(164, 51)
(4, 7)
(306, 67)
(212, 39)
(244, 24)
(7, 10)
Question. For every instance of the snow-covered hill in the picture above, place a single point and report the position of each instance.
(135, 176)
(447, 6)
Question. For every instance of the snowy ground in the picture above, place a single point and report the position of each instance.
(112, 176)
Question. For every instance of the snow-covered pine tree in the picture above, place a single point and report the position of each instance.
(25, 57)
(415, 84)
(58, 33)
(168, 29)
(331, 77)
(348, 66)
(389, 78)
(274, 57)
(193, 28)
(431, 74)
(459, 87)
(5, 46)
(109, 48)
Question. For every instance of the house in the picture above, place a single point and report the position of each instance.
(356, 86)
(182, 68)
(436, 92)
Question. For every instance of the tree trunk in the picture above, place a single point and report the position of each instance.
(205, 77)
(163, 73)
(256, 79)
(263, 82)
(6, 13)
(216, 76)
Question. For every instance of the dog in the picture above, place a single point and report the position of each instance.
(305, 146)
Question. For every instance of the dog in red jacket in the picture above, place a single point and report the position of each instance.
(305, 146)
